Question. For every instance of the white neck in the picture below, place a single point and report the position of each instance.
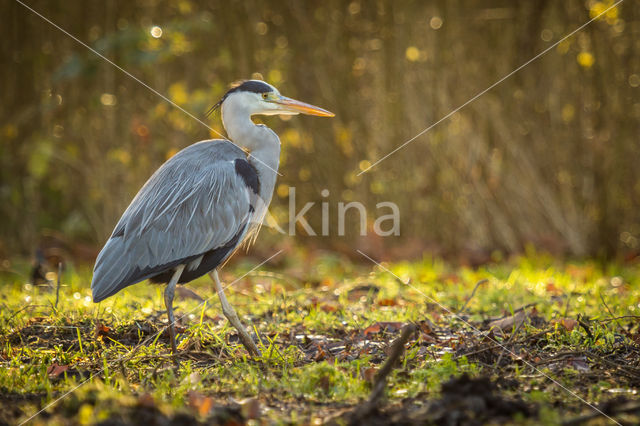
(261, 142)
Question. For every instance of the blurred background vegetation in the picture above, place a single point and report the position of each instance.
(548, 159)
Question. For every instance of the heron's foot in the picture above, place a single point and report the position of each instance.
(172, 335)
(176, 362)
(245, 338)
(231, 315)
(248, 342)
(174, 347)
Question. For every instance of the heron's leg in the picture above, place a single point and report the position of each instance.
(231, 315)
(168, 301)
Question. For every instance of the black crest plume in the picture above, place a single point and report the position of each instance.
(241, 86)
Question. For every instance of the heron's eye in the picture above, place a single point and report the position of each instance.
(265, 95)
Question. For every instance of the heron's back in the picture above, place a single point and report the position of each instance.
(194, 210)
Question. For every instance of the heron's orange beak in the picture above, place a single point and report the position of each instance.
(301, 107)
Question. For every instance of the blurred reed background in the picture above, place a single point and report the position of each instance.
(549, 159)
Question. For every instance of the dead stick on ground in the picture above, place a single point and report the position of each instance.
(380, 381)
(473, 293)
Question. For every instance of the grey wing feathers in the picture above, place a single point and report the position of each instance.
(194, 203)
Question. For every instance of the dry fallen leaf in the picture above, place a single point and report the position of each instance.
(201, 403)
(552, 288)
(369, 374)
(372, 329)
(250, 408)
(378, 327)
(567, 323)
(426, 326)
(321, 354)
(579, 364)
(329, 307)
(146, 400)
(55, 370)
(508, 323)
(365, 291)
(101, 329)
(427, 338)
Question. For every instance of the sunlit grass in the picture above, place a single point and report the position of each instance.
(343, 300)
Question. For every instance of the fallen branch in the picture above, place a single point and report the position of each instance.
(380, 381)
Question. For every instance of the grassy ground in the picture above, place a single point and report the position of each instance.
(536, 338)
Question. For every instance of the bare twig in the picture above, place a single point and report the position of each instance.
(609, 310)
(380, 381)
(478, 284)
(604, 321)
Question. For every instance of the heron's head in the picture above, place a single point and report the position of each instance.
(257, 97)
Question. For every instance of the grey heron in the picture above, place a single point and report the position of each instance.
(201, 205)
